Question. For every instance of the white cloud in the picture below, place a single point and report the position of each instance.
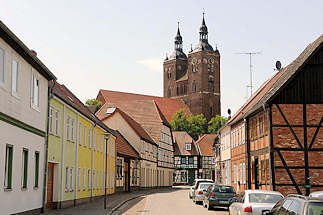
(152, 64)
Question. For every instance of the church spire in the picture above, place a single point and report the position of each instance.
(203, 31)
(178, 40)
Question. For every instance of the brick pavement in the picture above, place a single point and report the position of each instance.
(96, 207)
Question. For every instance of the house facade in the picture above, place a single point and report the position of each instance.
(23, 116)
(225, 154)
(127, 166)
(77, 152)
(186, 158)
(139, 139)
(206, 147)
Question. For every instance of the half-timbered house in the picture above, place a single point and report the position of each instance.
(205, 145)
(284, 127)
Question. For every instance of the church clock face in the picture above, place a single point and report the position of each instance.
(194, 61)
(211, 60)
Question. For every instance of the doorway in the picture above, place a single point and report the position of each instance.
(256, 173)
(50, 186)
(127, 176)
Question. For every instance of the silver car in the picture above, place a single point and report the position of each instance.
(198, 195)
(318, 194)
(195, 185)
(254, 202)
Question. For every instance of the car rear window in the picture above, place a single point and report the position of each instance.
(223, 189)
(204, 186)
(264, 198)
(315, 208)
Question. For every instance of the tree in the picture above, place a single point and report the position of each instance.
(197, 125)
(179, 121)
(216, 123)
(94, 102)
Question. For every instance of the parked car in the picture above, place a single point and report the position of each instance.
(198, 194)
(195, 185)
(318, 194)
(297, 205)
(254, 202)
(219, 195)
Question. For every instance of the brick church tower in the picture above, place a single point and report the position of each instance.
(194, 78)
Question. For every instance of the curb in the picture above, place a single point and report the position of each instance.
(125, 201)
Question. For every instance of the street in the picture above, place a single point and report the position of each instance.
(168, 202)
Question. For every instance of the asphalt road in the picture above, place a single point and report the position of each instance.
(168, 202)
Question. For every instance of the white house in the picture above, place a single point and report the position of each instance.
(225, 155)
(23, 125)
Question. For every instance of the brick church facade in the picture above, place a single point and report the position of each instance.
(194, 78)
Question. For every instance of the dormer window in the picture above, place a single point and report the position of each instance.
(188, 146)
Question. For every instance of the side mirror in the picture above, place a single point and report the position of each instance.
(266, 212)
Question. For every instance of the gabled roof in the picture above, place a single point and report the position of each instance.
(167, 106)
(205, 144)
(287, 73)
(9, 37)
(144, 112)
(62, 92)
(180, 139)
(133, 124)
(124, 148)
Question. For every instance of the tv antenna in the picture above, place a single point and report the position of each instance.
(250, 67)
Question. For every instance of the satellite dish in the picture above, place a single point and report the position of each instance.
(229, 112)
(278, 65)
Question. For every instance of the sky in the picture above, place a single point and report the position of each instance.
(121, 45)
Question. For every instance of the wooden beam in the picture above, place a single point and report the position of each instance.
(307, 174)
(271, 147)
(289, 173)
(290, 128)
(315, 134)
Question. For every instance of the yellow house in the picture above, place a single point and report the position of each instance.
(80, 156)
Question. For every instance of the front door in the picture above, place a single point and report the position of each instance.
(50, 183)
(127, 176)
(256, 173)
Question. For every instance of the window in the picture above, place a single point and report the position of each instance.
(56, 123)
(24, 168)
(72, 130)
(84, 138)
(84, 175)
(1, 65)
(112, 148)
(35, 90)
(94, 140)
(194, 86)
(261, 125)
(190, 160)
(67, 179)
(89, 138)
(188, 146)
(36, 169)
(79, 179)
(168, 93)
(211, 84)
(68, 128)
(93, 179)
(183, 160)
(209, 69)
(50, 123)
(88, 179)
(97, 179)
(14, 71)
(71, 179)
(8, 166)
(80, 134)
(53, 121)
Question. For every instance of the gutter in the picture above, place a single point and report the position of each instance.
(50, 96)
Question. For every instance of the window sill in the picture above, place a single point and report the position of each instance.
(36, 188)
(7, 189)
(24, 189)
(34, 107)
(15, 95)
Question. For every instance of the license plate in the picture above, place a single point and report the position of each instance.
(224, 202)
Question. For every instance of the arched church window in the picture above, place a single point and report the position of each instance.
(211, 84)
(194, 86)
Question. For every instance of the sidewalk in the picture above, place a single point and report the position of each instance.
(96, 208)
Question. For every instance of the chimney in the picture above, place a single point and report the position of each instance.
(33, 52)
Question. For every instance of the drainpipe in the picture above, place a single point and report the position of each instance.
(92, 162)
(50, 96)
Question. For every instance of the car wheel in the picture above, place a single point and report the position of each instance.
(204, 205)
(189, 196)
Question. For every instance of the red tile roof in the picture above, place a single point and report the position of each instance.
(205, 144)
(124, 148)
(180, 139)
(144, 112)
(132, 123)
(167, 106)
(62, 92)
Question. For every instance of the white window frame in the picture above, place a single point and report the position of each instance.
(50, 121)
(72, 129)
(67, 178)
(80, 134)
(79, 179)
(68, 128)
(89, 138)
(89, 176)
(84, 178)
(14, 91)
(34, 91)
(71, 179)
(84, 136)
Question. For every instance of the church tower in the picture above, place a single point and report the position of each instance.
(195, 79)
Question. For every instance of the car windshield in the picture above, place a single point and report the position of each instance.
(315, 208)
(223, 189)
(204, 186)
(264, 198)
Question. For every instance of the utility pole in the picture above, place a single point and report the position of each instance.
(250, 66)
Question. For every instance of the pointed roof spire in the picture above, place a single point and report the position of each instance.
(203, 28)
(203, 21)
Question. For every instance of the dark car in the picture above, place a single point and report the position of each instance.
(297, 205)
(219, 195)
